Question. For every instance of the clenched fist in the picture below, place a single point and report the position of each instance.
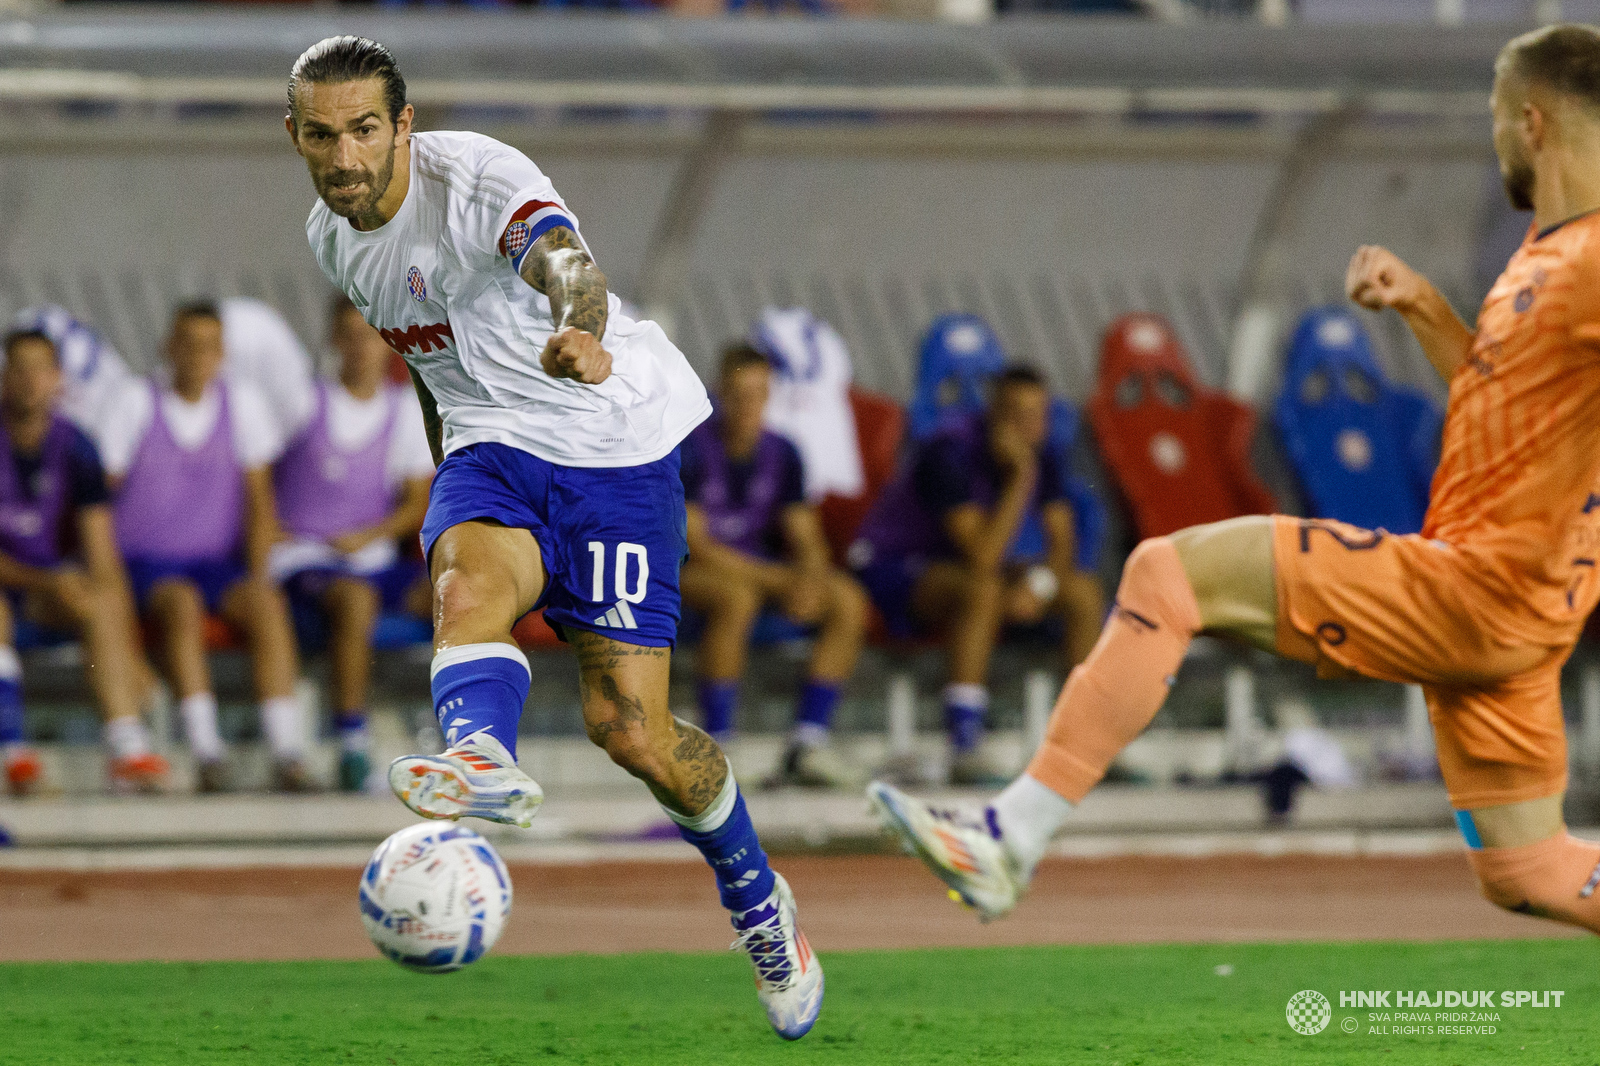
(576, 353)
(1377, 278)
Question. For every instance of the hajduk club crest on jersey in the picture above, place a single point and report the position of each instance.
(517, 239)
(418, 287)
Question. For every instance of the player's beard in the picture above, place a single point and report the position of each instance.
(377, 184)
(1517, 177)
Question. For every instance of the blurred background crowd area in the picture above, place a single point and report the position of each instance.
(1272, 12)
(1155, 214)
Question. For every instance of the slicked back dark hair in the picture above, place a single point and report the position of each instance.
(18, 336)
(1564, 58)
(340, 59)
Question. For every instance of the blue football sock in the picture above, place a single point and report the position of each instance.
(965, 707)
(480, 688)
(817, 701)
(725, 836)
(718, 701)
(10, 696)
(10, 711)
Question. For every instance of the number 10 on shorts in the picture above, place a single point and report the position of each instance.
(626, 553)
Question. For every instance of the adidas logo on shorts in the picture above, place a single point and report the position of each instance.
(618, 617)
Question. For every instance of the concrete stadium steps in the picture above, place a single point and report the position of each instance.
(625, 814)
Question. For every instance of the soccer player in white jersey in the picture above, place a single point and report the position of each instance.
(555, 420)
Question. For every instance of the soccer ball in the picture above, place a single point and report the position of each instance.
(435, 897)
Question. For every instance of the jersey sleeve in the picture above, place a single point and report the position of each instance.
(86, 477)
(515, 204)
(261, 348)
(1586, 305)
(123, 426)
(792, 483)
(256, 436)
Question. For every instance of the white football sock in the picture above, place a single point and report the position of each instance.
(967, 696)
(199, 714)
(10, 664)
(126, 737)
(809, 735)
(1029, 813)
(283, 724)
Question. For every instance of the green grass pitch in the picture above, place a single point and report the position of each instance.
(1122, 1004)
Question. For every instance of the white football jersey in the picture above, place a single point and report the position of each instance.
(439, 280)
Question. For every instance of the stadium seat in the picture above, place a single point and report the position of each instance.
(960, 354)
(532, 632)
(880, 429)
(1362, 448)
(1180, 451)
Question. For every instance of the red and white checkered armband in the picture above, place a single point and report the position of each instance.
(528, 223)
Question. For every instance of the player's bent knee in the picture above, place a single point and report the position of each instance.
(627, 746)
(177, 603)
(1155, 582)
(1556, 878)
(737, 600)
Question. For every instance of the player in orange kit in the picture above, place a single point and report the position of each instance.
(1482, 608)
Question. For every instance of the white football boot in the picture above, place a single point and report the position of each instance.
(478, 778)
(963, 850)
(788, 975)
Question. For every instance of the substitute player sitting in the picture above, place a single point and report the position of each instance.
(754, 541)
(352, 482)
(1482, 609)
(934, 551)
(556, 420)
(59, 566)
(195, 521)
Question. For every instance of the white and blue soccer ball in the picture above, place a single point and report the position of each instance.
(435, 897)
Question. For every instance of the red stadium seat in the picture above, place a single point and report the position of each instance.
(880, 427)
(533, 632)
(219, 635)
(1179, 450)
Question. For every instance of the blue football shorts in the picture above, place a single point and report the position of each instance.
(612, 538)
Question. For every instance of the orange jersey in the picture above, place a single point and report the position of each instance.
(1518, 485)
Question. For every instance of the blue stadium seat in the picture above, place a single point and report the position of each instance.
(960, 355)
(1363, 448)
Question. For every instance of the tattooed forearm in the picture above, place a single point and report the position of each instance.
(558, 266)
(431, 423)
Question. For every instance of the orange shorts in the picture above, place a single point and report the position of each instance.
(1408, 609)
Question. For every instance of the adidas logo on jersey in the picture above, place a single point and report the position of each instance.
(618, 617)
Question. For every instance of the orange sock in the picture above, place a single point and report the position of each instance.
(1555, 878)
(1111, 697)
